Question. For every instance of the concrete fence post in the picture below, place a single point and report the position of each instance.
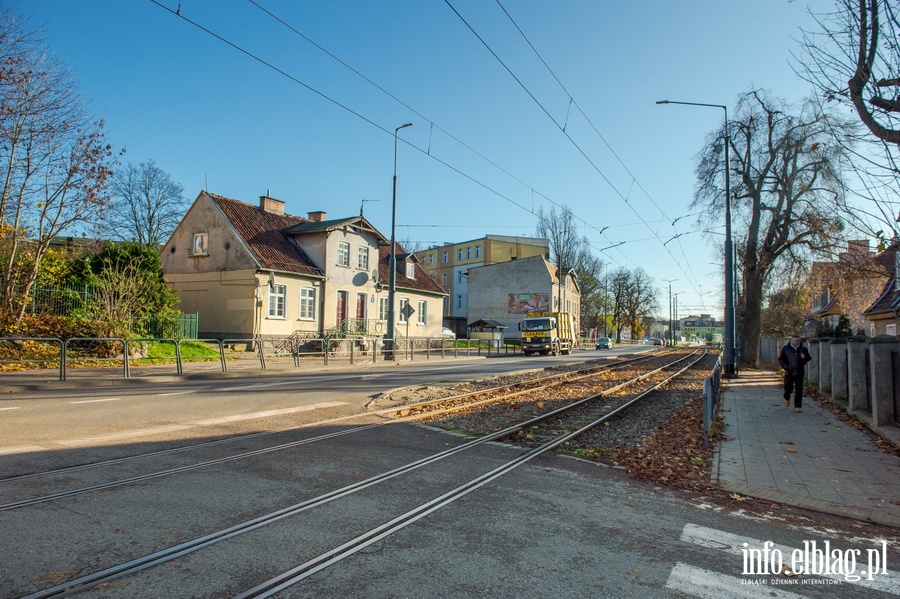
(812, 369)
(825, 368)
(882, 383)
(839, 379)
(857, 376)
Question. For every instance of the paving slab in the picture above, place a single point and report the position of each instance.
(809, 459)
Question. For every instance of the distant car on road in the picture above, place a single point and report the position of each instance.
(447, 334)
(603, 343)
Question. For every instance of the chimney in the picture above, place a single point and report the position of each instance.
(316, 217)
(271, 204)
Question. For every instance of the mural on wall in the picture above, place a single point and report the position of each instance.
(522, 303)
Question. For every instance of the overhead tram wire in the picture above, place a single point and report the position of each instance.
(324, 96)
(426, 118)
(371, 122)
(566, 134)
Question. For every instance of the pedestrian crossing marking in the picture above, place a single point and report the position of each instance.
(719, 540)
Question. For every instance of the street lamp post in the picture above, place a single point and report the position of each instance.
(392, 276)
(730, 336)
(671, 332)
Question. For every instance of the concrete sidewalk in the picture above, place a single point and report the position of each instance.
(810, 459)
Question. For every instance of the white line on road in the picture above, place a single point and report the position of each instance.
(267, 413)
(13, 408)
(734, 544)
(196, 423)
(97, 400)
(21, 449)
(699, 582)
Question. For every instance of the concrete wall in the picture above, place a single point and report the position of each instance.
(862, 375)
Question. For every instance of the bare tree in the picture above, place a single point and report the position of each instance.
(633, 298)
(570, 250)
(853, 60)
(785, 189)
(54, 161)
(147, 204)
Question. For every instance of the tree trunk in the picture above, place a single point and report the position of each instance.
(750, 323)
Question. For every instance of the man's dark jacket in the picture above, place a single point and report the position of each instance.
(794, 360)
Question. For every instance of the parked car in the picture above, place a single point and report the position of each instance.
(447, 334)
(603, 343)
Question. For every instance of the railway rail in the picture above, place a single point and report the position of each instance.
(435, 407)
(562, 434)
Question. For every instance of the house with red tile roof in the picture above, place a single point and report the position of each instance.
(884, 313)
(255, 271)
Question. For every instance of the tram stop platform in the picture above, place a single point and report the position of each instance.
(810, 459)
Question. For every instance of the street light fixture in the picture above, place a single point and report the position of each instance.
(729, 336)
(392, 276)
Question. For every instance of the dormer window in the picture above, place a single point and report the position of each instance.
(410, 270)
(200, 246)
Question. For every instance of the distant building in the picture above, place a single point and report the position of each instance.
(505, 292)
(449, 264)
(884, 313)
(848, 287)
(701, 328)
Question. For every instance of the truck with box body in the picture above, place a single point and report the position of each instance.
(546, 333)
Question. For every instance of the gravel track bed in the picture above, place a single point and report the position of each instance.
(660, 438)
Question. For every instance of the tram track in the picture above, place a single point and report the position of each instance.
(373, 535)
(407, 412)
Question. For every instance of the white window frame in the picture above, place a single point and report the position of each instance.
(383, 308)
(277, 301)
(478, 251)
(459, 254)
(468, 253)
(308, 303)
(343, 254)
(423, 313)
(446, 257)
(401, 318)
(410, 270)
(200, 244)
(362, 257)
(444, 278)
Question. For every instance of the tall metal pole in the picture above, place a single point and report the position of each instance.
(729, 337)
(392, 276)
(671, 335)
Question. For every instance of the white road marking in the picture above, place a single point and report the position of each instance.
(21, 449)
(97, 400)
(733, 544)
(175, 393)
(267, 413)
(699, 582)
(126, 435)
(13, 408)
(196, 424)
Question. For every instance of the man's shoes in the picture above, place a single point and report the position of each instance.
(787, 403)
(796, 409)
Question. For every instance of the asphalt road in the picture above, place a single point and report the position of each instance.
(555, 527)
(58, 428)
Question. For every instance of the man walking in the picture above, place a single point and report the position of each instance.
(793, 359)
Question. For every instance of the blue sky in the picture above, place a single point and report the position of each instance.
(320, 137)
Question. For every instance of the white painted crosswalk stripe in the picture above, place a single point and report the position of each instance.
(700, 582)
(887, 582)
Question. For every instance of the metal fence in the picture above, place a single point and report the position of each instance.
(126, 354)
(58, 301)
(712, 385)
